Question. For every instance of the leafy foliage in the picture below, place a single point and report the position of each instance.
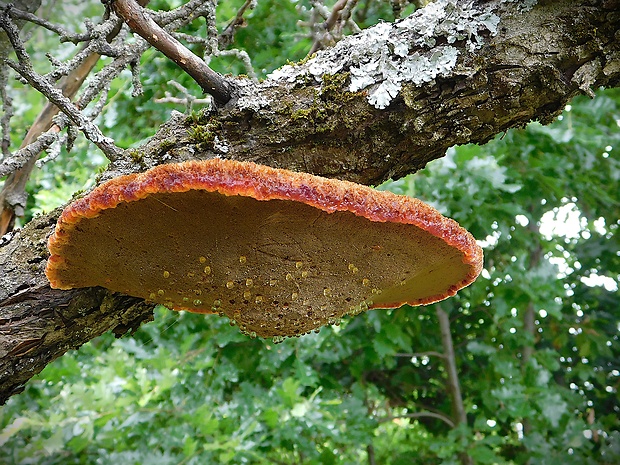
(536, 337)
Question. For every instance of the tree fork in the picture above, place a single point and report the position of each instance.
(140, 22)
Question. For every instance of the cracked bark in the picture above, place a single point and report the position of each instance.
(536, 63)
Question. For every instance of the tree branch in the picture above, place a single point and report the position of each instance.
(64, 35)
(454, 387)
(341, 12)
(447, 420)
(370, 450)
(226, 37)
(430, 353)
(141, 23)
(24, 68)
(12, 195)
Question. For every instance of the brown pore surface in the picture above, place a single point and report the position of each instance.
(298, 259)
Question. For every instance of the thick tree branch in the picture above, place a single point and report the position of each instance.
(141, 23)
(305, 118)
(308, 118)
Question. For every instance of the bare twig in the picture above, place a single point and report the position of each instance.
(90, 130)
(335, 15)
(212, 34)
(339, 16)
(430, 353)
(142, 23)
(179, 16)
(7, 109)
(135, 79)
(243, 56)
(20, 158)
(447, 420)
(53, 151)
(65, 35)
(13, 196)
(99, 45)
(24, 68)
(346, 19)
(228, 35)
(188, 101)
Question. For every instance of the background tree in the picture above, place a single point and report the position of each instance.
(521, 366)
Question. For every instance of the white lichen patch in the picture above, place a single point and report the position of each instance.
(384, 57)
(523, 5)
(248, 96)
(220, 146)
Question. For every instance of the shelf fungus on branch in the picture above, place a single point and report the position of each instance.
(279, 253)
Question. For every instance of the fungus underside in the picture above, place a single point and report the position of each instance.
(298, 256)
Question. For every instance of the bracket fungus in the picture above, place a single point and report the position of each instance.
(279, 253)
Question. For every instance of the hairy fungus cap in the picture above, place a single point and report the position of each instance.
(280, 253)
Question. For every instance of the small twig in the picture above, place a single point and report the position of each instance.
(101, 79)
(21, 157)
(340, 14)
(98, 45)
(53, 151)
(135, 79)
(65, 35)
(24, 68)
(227, 36)
(345, 19)
(179, 16)
(188, 101)
(12, 194)
(142, 23)
(430, 353)
(7, 108)
(335, 15)
(90, 130)
(210, 18)
(243, 56)
(190, 39)
(185, 101)
(438, 416)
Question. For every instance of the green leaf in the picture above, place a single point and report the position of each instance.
(480, 348)
(482, 454)
(190, 446)
(553, 407)
(289, 392)
(383, 347)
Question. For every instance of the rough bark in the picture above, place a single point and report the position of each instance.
(529, 70)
